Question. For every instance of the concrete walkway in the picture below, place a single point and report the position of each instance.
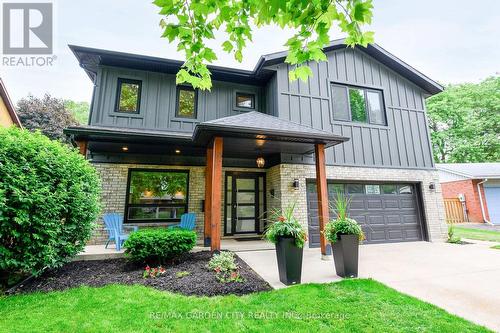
(462, 279)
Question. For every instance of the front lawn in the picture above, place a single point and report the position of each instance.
(479, 234)
(347, 306)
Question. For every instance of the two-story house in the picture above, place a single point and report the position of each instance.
(258, 141)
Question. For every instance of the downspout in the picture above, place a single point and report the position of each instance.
(481, 201)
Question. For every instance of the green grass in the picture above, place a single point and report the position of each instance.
(479, 234)
(496, 247)
(347, 306)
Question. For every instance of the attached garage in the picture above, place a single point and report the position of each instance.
(387, 212)
(492, 193)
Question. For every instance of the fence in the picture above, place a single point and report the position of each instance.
(454, 211)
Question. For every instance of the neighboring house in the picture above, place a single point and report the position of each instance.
(479, 183)
(151, 141)
(8, 116)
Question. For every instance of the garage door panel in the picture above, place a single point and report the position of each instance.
(383, 217)
(408, 203)
(391, 203)
(374, 204)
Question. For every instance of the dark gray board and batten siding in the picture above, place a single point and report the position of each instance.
(403, 143)
(158, 101)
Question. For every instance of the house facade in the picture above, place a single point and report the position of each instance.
(477, 185)
(257, 141)
(8, 116)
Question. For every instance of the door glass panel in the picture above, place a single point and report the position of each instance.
(245, 197)
(229, 195)
(245, 226)
(245, 184)
(246, 211)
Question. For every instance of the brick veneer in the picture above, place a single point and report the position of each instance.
(278, 179)
(467, 187)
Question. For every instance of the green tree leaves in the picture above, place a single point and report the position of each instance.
(465, 122)
(192, 22)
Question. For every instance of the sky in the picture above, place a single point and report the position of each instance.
(451, 41)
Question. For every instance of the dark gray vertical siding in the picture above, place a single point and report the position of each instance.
(403, 143)
(158, 101)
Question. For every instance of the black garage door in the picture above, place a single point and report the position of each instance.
(386, 212)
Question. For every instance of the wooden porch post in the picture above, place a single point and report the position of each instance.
(216, 194)
(208, 196)
(82, 147)
(323, 208)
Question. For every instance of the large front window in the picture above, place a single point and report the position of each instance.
(157, 195)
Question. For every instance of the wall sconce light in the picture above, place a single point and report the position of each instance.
(432, 186)
(295, 184)
(271, 192)
(125, 148)
(260, 162)
(177, 151)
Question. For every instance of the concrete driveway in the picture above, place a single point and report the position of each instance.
(462, 279)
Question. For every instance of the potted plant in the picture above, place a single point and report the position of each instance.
(345, 235)
(289, 236)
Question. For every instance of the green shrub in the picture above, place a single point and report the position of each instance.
(155, 245)
(285, 224)
(49, 200)
(452, 238)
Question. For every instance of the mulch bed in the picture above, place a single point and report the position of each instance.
(200, 281)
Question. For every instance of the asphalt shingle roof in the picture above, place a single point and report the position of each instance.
(472, 170)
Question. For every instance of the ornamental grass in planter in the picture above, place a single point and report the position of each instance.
(345, 235)
(289, 236)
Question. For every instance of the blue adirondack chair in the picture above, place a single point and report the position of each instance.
(115, 228)
(187, 222)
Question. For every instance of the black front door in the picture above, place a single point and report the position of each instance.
(245, 203)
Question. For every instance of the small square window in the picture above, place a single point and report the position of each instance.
(372, 189)
(128, 96)
(405, 189)
(389, 189)
(355, 189)
(187, 100)
(335, 188)
(246, 101)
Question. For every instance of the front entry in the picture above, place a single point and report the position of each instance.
(245, 203)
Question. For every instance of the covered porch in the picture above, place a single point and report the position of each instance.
(244, 147)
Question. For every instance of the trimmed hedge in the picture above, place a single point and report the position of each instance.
(49, 201)
(156, 245)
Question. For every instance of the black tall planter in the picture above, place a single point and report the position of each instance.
(289, 261)
(345, 255)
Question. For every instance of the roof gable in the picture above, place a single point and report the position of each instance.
(91, 58)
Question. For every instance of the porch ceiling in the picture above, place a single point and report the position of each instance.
(247, 135)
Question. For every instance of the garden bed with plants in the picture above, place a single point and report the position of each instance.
(188, 274)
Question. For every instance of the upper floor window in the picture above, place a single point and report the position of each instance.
(246, 101)
(128, 96)
(186, 102)
(358, 104)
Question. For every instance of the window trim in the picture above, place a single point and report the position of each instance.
(127, 197)
(177, 95)
(365, 89)
(121, 81)
(245, 94)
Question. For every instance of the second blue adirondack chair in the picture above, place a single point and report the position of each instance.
(188, 221)
(115, 228)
